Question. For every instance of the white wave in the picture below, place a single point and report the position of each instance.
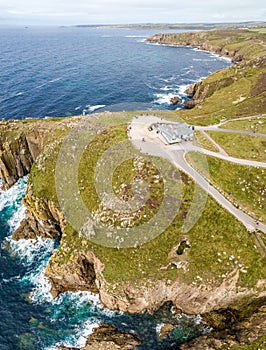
(28, 250)
(182, 89)
(167, 80)
(79, 339)
(77, 108)
(196, 49)
(202, 60)
(48, 82)
(9, 197)
(17, 217)
(42, 286)
(78, 298)
(163, 98)
(54, 80)
(94, 108)
(86, 330)
(166, 88)
(159, 327)
(135, 36)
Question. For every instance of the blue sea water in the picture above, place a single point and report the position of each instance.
(64, 71)
(51, 72)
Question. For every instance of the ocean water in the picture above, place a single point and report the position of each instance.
(68, 71)
(57, 72)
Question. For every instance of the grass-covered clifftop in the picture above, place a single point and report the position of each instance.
(218, 247)
(229, 93)
(214, 265)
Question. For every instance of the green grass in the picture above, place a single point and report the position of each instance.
(231, 101)
(232, 92)
(204, 142)
(253, 124)
(258, 30)
(259, 344)
(42, 175)
(240, 145)
(215, 238)
(216, 232)
(241, 184)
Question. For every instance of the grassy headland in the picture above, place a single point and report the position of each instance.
(229, 93)
(218, 242)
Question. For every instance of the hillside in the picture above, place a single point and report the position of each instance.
(215, 268)
(229, 93)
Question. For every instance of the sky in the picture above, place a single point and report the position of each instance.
(71, 12)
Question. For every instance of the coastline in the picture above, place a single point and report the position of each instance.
(116, 302)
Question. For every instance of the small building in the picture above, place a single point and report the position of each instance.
(174, 132)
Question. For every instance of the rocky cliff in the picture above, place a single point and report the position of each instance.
(107, 337)
(18, 154)
(43, 219)
(201, 40)
(249, 333)
(243, 47)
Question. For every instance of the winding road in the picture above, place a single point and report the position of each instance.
(153, 144)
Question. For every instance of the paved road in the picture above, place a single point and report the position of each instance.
(242, 118)
(214, 128)
(153, 145)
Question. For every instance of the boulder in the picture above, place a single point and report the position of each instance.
(175, 100)
(107, 337)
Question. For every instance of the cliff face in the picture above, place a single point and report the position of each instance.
(249, 333)
(202, 90)
(243, 47)
(197, 41)
(17, 156)
(80, 269)
(43, 219)
(21, 143)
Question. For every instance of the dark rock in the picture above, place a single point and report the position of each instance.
(79, 273)
(190, 104)
(107, 337)
(175, 100)
(242, 333)
(166, 330)
(17, 156)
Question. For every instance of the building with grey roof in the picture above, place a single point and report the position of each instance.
(174, 132)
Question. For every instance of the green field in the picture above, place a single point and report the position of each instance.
(252, 124)
(216, 228)
(241, 145)
(241, 184)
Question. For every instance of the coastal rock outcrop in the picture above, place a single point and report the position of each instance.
(82, 271)
(200, 41)
(203, 41)
(175, 100)
(249, 332)
(18, 155)
(43, 219)
(107, 337)
(202, 90)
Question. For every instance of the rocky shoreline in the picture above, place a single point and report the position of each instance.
(199, 42)
(84, 271)
(236, 313)
(199, 91)
(107, 337)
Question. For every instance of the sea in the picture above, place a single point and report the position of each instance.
(62, 71)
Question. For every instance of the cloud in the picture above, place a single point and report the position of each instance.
(129, 11)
